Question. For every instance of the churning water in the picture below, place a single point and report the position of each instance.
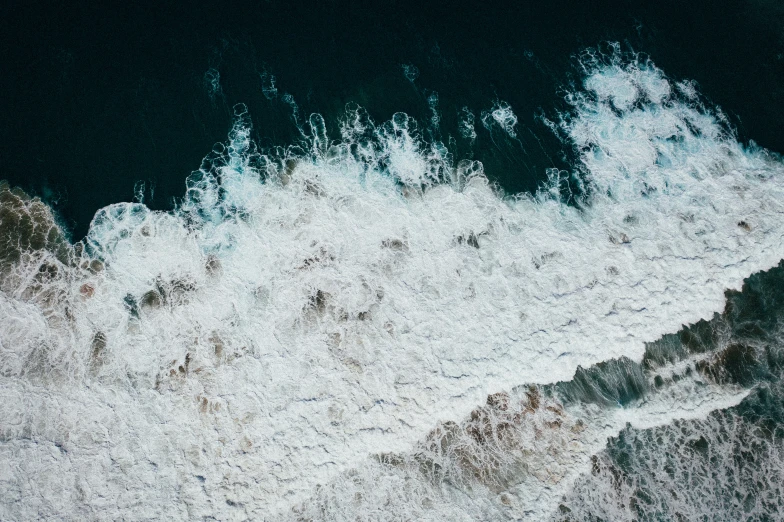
(363, 326)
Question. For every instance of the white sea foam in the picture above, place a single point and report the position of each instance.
(502, 116)
(294, 317)
(515, 458)
(467, 129)
(722, 467)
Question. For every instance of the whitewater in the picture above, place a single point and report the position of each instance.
(327, 331)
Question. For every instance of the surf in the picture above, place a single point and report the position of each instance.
(307, 311)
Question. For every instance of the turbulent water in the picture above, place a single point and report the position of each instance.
(364, 327)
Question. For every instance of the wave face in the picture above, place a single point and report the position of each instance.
(310, 333)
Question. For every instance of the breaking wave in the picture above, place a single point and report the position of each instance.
(310, 333)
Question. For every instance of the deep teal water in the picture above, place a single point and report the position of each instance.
(96, 98)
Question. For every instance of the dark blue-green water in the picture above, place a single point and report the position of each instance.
(97, 97)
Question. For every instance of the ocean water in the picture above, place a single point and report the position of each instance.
(402, 296)
(100, 98)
